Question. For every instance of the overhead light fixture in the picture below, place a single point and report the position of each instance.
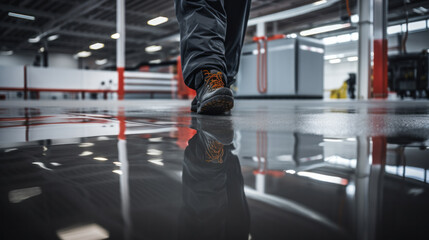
(96, 46)
(22, 16)
(155, 61)
(115, 35)
(320, 2)
(42, 49)
(354, 18)
(352, 59)
(101, 61)
(6, 53)
(292, 35)
(344, 38)
(420, 10)
(53, 37)
(324, 29)
(34, 40)
(157, 21)
(333, 61)
(83, 54)
(153, 48)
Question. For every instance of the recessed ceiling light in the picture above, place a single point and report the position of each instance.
(83, 54)
(22, 16)
(333, 61)
(115, 35)
(53, 37)
(96, 46)
(34, 40)
(324, 29)
(352, 59)
(153, 48)
(101, 61)
(354, 18)
(157, 21)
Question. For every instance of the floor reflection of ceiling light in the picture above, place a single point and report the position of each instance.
(117, 163)
(90, 231)
(86, 144)
(42, 165)
(85, 153)
(100, 158)
(55, 164)
(156, 161)
(158, 139)
(19, 195)
(10, 150)
(290, 171)
(102, 138)
(45, 148)
(324, 178)
(117, 172)
(154, 152)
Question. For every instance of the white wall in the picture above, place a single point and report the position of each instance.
(59, 60)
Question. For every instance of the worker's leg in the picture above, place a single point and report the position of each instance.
(202, 36)
(237, 12)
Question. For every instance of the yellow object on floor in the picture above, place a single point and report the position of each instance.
(339, 93)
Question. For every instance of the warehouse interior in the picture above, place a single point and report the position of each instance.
(328, 137)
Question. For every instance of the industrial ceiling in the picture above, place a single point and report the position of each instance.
(80, 23)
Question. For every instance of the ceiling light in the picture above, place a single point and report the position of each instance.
(83, 54)
(6, 53)
(34, 40)
(157, 21)
(153, 48)
(155, 61)
(352, 59)
(42, 49)
(96, 46)
(22, 16)
(292, 35)
(336, 60)
(324, 29)
(115, 35)
(344, 38)
(355, 18)
(101, 61)
(319, 2)
(53, 37)
(420, 10)
(330, 40)
(394, 29)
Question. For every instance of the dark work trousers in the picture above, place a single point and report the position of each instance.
(211, 36)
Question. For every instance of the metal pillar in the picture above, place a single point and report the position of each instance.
(362, 188)
(120, 46)
(364, 51)
(380, 49)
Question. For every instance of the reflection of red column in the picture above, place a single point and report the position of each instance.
(379, 149)
(122, 126)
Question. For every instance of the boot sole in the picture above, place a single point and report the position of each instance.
(216, 105)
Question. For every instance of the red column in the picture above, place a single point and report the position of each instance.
(380, 69)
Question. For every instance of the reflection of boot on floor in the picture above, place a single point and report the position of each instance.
(214, 204)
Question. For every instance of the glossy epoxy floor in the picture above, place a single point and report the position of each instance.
(273, 169)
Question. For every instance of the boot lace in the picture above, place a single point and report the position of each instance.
(214, 80)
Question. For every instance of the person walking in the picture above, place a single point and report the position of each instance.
(211, 38)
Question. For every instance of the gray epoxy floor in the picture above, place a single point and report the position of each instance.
(272, 169)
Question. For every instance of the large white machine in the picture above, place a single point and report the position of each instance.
(292, 67)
